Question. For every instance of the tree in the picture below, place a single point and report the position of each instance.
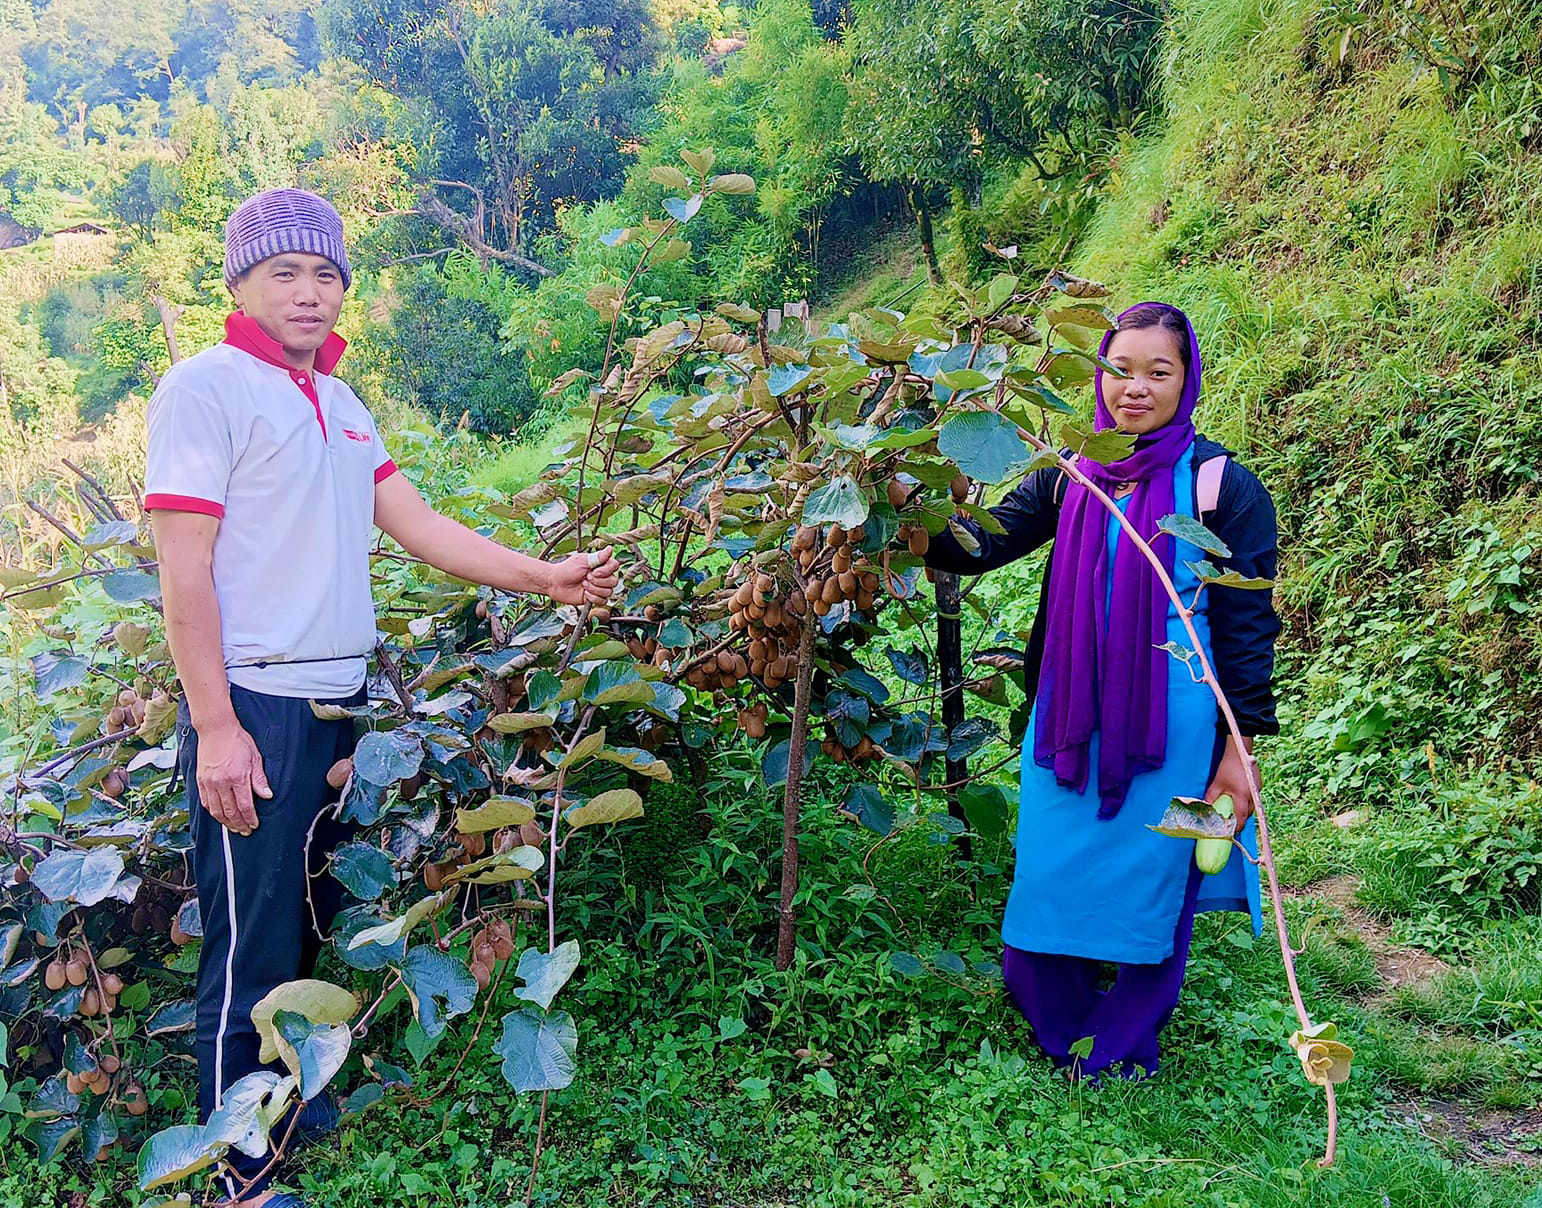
(523, 106)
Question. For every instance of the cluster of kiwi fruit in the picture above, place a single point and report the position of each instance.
(473, 845)
(843, 578)
(70, 968)
(489, 944)
(719, 673)
(128, 712)
(833, 747)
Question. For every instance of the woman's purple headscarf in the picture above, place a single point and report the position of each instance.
(1102, 673)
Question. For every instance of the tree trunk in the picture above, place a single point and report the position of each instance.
(950, 671)
(792, 798)
(169, 316)
(924, 225)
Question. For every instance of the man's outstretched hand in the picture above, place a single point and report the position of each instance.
(585, 578)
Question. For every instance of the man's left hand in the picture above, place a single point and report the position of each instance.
(585, 578)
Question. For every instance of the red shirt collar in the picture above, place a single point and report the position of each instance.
(243, 332)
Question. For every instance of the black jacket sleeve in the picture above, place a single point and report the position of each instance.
(1029, 515)
(1243, 624)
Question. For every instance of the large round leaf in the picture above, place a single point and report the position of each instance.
(538, 1050)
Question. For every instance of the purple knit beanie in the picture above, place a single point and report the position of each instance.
(283, 220)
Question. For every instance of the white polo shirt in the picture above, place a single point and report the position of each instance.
(288, 461)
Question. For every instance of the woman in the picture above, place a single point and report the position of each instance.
(1118, 727)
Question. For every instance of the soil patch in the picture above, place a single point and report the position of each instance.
(1488, 1137)
(1396, 964)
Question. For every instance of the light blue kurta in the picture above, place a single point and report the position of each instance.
(1110, 889)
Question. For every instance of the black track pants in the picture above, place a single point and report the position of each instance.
(257, 926)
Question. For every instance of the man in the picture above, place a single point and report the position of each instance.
(266, 478)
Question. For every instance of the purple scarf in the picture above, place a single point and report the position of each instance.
(1102, 673)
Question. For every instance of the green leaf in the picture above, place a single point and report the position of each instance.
(617, 683)
(494, 814)
(617, 805)
(785, 379)
(538, 1050)
(1103, 447)
(701, 161)
(840, 501)
(963, 380)
(131, 586)
(248, 1110)
(1186, 528)
(906, 964)
(1079, 316)
(86, 877)
(384, 758)
(986, 806)
(545, 974)
(57, 673)
(984, 445)
(173, 1154)
(318, 1001)
(314, 1052)
(51, 1136)
(1000, 292)
(824, 1083)
(756, 1090)
(669, 176)
(1083, 1047)
(1213, 575)
(431, 977)
(363, 870)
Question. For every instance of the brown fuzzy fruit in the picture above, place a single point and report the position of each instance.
(112, 984)
(127, 697)
(179, 937)
(531, 834)
(74, 1083)
(475, 843)
(408, 789)
(920, 541)
(599, 614)
(115, 719)
(897, 494)
(481, 610)
(137, 1103)
(837, 537)
(90, 1004)
(482, 973)
(959, 488)
(110, 1064)
(433, 877)
(53, 976)
(503, 947)
(75, 971)
(338, 773)
(114, 783)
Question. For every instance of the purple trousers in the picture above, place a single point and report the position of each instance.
(1062, 998)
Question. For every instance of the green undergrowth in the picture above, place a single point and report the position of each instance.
(707, 1077)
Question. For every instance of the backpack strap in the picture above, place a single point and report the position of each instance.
(1207, 484)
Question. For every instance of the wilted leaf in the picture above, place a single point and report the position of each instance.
(517, 864)
(519, 723)
(617, 805)
(735, 184)
(1324, 1059)
(1193, 818)
(494, 814)
(318, 1001)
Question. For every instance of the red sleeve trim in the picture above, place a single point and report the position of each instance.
(184, 503)
(384, 471)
